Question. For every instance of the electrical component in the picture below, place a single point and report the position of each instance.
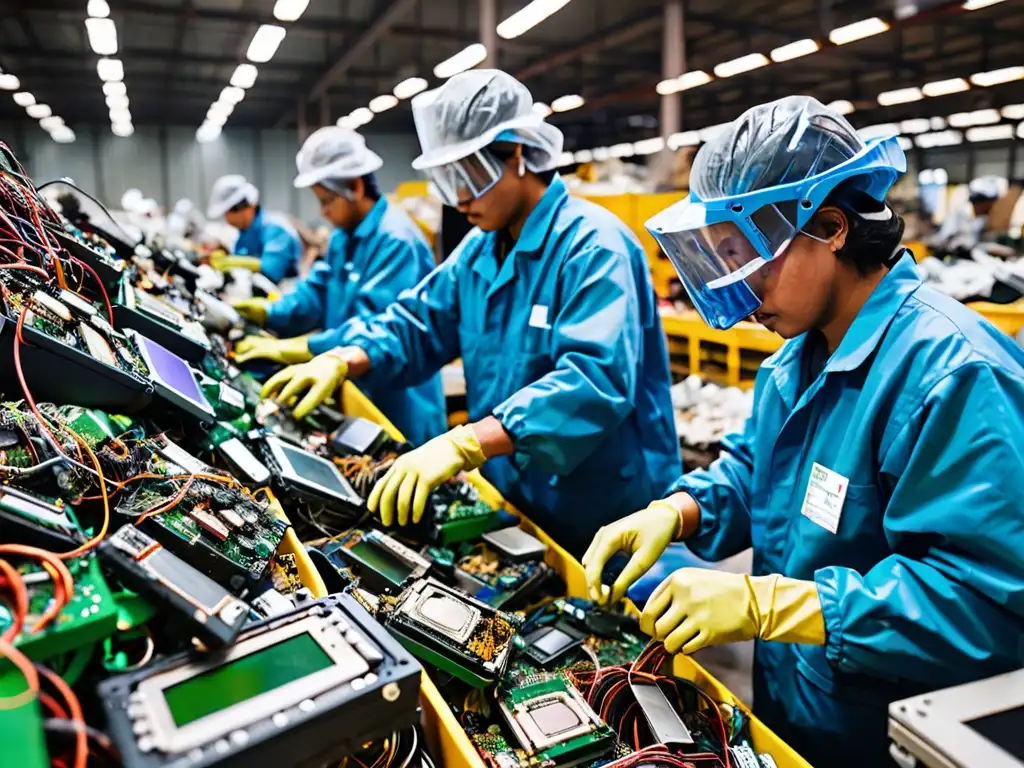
(547, 645)
(515, 544)
(301, 688)
(29, 519)
(381, 563)
(243, 462)
(173, 380)
(309, 477)
(357, 437)
(205, 608)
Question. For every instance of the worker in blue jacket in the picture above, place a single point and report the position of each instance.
(876, 478)
(548, 302)
(375, 253)
(267, 242)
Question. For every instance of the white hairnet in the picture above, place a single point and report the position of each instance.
(131, 199)
(478, 107)
(334, 153)
(987, 188)
(183, 207)
(228, 191)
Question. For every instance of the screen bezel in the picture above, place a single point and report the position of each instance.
(168, 737)
(201, 409)
(279, 450)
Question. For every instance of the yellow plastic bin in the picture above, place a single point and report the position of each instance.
(730, 358)
(448, 739)
(1009, 318)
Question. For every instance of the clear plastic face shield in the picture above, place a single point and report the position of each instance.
(466, 179)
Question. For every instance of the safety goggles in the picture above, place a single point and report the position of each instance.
(467, 178)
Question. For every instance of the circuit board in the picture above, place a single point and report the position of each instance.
(285, 574)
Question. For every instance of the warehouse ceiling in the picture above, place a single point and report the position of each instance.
(179, 54)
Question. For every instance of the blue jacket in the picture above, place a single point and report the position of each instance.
(361, 274)
(273, 238)
(561, 341)
(921, 409)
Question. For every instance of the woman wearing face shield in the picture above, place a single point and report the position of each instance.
(548, 302)
(873, 478)
(374, 254)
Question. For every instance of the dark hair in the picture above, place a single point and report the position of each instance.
(503, 150)
(242, 205)
(370, 186)
(871, 242)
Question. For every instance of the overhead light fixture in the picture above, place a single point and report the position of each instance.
(361, 115)
(977, 117)
(900, 96)
(63, 135)
(98, 9)
(540, 108)
(207, 132)
(9, 82)
(51, 123)
(905, 143)
(124, 130)
(915, 125)
(383, 103)
(218, 118)
(567, 102)
(649, 146)
(620, 150)
(114, 89)
(110, 70)
(939, 139)
(526, 19)
(24, 99)
(973, 5)
(564, 159)
(990, 133)
(38, 111)
(666, 87)
(881, 130)
(601, 154)
(1020, 130)
(684, 139)
(937, 123)
(289, 10)
(945, 87)
(684, 82)
(1013, 111)
(842, 106)
(120, 116)
(795, 50)
(583, 156)
(997, 76)
(265, 42)
(740, 65)
(231, 95)
(117, 102)
(857, 31)
(348, 122)
(244, 76)
(465, 59)
(220, 108)
(102, 36)
(409, 87)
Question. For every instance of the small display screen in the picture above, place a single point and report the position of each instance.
(313, 469)
(381, 561)
(172, 371)
(554, 642)
(245, 678)
(1004, 729)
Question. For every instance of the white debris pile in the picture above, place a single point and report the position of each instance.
(706, 412)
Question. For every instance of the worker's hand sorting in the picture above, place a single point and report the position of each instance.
(284, 351)
(224, 262)
(318, 379)
(253, 310)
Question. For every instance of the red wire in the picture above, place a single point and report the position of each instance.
(29, 267)
(103, 290)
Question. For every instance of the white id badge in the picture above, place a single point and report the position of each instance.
(539, 316)
(826, 493)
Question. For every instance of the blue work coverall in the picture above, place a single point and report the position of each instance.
(361, 275)
(274, 240)
(561, 341)
(921, 410)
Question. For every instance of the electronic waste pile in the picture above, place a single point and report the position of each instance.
(157, 608)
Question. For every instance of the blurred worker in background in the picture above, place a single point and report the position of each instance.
(966, 225)
(871, 479)
(376, 252)
(549, 303)
(185, 223)
(267, 242)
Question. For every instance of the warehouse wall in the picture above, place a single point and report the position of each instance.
(168, 163)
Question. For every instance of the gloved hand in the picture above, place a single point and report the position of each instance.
(407, 485)
(694, 608)
(319, 379)
(253, 310)
(286, 351)
(645, 535)
(223, 262)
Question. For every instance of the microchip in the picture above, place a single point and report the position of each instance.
(443, 614)
(209, 523)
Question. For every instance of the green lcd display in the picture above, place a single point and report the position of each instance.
(245, 678)
(381, 561)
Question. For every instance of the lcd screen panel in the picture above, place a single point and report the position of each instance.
(173, 372)
(381, 561)
(554, 642)
(1004, 729)
(319, 472)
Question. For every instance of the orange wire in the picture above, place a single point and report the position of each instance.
(165, 507)
(22, 662)
(17, 586)
(75, 709)
(63, 584)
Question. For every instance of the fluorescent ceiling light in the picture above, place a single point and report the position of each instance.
(665, 87)
(529, 17)
(915, 125)
(1013, 111)
(289, 10)
(985, 116)
(900, 96)
(102, 36)
(990, 133)
(684, 82)
(207, 132)
(38, 111)
(905, 143)
(63, 135)
(973, 5)
(117, 102)
(264, 43)
(24, 99)
(564, 159)
(621, 150)
(878, 131)
(1020, 130)
(997, 76)
(945, 87)
(231, 95)
(348, 122)
(583, 156)
(540, 108)
(795, 50)
(124, 130)
(937, 124)
(649, 146)
(567, 102)
(120, 116)
(740, 65)
(244, 76)
(221, 109)
(842, 106)
(684, 139)
(601, 154)
(51, 123)
(465, 59)
(9, 83)
(409, 87)
(114, 89)
(110, 70)
(361, 115)
(218, 119)
(383, 103)
(857, 31)
(939, 139)
(98, 9)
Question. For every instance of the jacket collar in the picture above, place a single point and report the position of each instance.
(371, 223)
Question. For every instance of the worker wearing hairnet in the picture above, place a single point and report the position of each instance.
(375, 253)
(549, 303)
(267, 242)
(871, 479)
(966, 225)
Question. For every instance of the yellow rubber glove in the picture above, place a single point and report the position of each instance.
(285, 351)
(222, 262)
(694, 608)
(407, 485)
(319, 379)
(644, 535)
(253, 310)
